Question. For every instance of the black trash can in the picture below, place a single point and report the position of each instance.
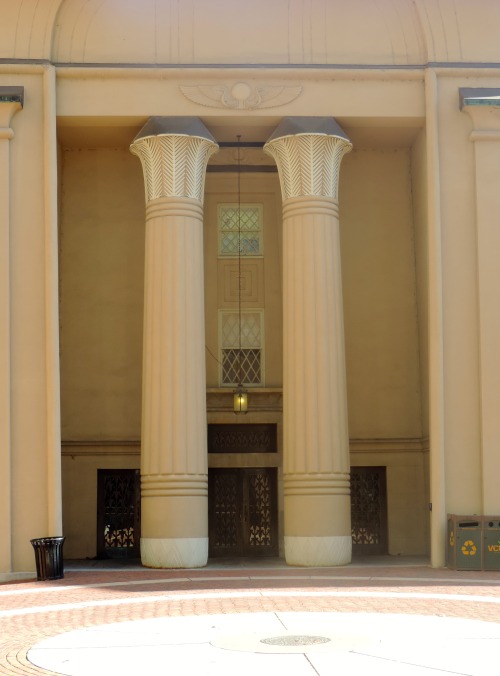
(49, 558)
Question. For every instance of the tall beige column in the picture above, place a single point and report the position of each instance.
(174, 152)
(11, 100)
(483, 105)
(437, 473)
(308, 152)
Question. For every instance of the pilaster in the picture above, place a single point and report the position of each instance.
(174, 153)
(11, 100)
(483, 106)
(308, 152)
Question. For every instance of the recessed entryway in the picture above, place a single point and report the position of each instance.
(243, 511)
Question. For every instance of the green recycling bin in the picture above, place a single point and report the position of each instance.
(465, 542)
(491, 549)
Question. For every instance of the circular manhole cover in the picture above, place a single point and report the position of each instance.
(292, 640)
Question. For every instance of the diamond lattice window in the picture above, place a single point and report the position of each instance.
(240, 226)
(245, 365)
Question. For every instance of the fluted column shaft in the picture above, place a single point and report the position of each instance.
(174, 451)
(316, 441)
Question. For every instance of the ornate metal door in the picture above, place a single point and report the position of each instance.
(118, 513)
(243, 512)
(368, 510)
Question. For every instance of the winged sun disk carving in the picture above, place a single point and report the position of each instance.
(241, 96)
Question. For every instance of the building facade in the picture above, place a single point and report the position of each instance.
(300, 198)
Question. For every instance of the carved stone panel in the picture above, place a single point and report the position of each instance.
(251, 283)
(241, 95)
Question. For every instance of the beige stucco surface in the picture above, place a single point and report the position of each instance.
(80, 466)
(33, 455)
(101, 292)
(264, 282)
(327, 31)
(419, 197)
(378, 262)
(463, 464)
(101, 303)
(288, 32)
(407, 493)
(418, 274)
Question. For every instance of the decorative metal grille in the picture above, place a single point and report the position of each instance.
(242, 438)
(368, 509)
(241, 227)
(243, 365)
(259, 510)
(243, 511)
(119, 508)
(225, 509)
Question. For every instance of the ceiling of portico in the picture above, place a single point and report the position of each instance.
(366, 133)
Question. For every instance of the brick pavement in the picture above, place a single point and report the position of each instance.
(31, 611)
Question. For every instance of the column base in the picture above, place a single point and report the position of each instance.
(318, 551)
(174, 552)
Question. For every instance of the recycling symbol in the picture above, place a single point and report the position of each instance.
(469, 548)
(452, 539)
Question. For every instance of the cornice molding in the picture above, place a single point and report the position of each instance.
(482, 104)
(12, 95)
(11, 100)
(215, 398)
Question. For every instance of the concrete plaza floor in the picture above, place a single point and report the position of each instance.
(387, 616)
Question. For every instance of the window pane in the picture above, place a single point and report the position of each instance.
(240, 228)
(250, 329)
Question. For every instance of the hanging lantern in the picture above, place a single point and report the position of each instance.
(240, 400)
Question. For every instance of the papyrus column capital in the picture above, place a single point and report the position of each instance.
(308, 152)
(174, 152)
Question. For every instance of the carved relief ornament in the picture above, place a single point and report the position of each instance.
(241, 95)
